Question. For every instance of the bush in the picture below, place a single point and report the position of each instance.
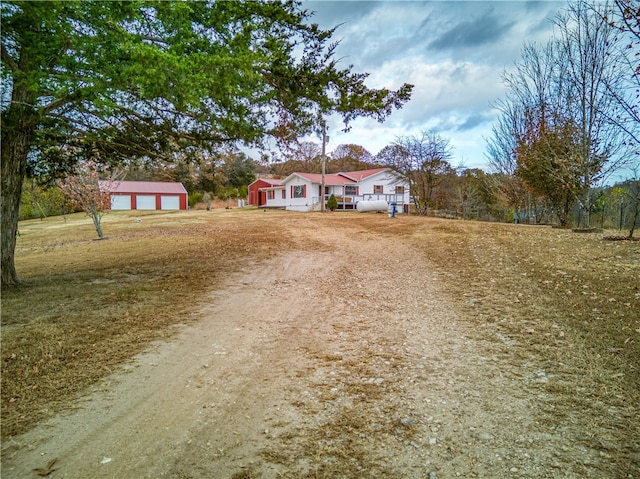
(332, 204)
(39, 202)
(229, 192)
(195, 198)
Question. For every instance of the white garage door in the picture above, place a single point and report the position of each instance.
(146, 202)
(121, 202)
(170, 202)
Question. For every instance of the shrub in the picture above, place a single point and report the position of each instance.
(40, 202)
(195, 198)
(332, 204)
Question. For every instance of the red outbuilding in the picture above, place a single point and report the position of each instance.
(147, 195)
(259, 188)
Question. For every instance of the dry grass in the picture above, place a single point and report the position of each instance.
(571, 298)
(91, 305)
(568, 300)
(564, 302)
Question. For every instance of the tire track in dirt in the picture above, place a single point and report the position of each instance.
(311, 365)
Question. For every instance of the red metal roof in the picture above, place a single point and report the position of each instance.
(269, 181)
(362, 174)
(146, 187)
(329, 179)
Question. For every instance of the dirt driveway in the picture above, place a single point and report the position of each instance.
(317, 364)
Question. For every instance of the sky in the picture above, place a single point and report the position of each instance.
(454, 52)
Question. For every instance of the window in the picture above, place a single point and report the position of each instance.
(284, 196)
(271, 195)
(399, 190)
(350, 190)
(298, 191)
(377, 189)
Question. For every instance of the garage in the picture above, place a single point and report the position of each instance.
(121, 202)
(145, 202)
(169, 202)
(146, 195)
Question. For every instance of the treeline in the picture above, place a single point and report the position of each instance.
(440, 189)
(437, 187)
(571, 119)
(223, 174)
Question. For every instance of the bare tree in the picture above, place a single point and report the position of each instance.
(629, 16)
(90, 190)
(350, 157)
(424, 160)
(625, 87)
(522, 150)
(511, 189)
(560, 102)
(586, 48)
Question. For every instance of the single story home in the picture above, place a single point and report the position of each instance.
(302, 191)
(146, 195)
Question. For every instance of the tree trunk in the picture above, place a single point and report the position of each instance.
(18, 129)
(635, 214)
(15, 147)
(96, 216)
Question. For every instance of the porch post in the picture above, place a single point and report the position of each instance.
(324, 143)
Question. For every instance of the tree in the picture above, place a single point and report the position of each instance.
(632, 193)
(549, 161)
(238, 169)
(423, 160)
(586, 48)
(305, 157)
(625, 87)
(512, 190)
(629, 16)
(136, 79)
(350, 157)
(90, 190)
(571, 83)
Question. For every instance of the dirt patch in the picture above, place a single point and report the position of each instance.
(368, 347)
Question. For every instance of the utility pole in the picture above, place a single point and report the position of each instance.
(324, 164)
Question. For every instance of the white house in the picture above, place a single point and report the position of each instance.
(302, 191)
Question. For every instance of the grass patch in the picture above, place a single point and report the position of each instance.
(90, 305)
(564, 301)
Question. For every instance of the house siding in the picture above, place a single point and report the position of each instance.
(362, 182)
(257, 195)
(300, 204)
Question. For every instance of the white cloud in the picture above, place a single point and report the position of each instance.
(453, 52)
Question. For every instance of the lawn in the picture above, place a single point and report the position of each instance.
(90, 305)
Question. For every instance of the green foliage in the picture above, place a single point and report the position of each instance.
(42, 201)
(195, 198)
(131, 79)
(228, 192)
(116, 81)
(332, 203)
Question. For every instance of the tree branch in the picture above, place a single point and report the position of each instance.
(9, 61)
